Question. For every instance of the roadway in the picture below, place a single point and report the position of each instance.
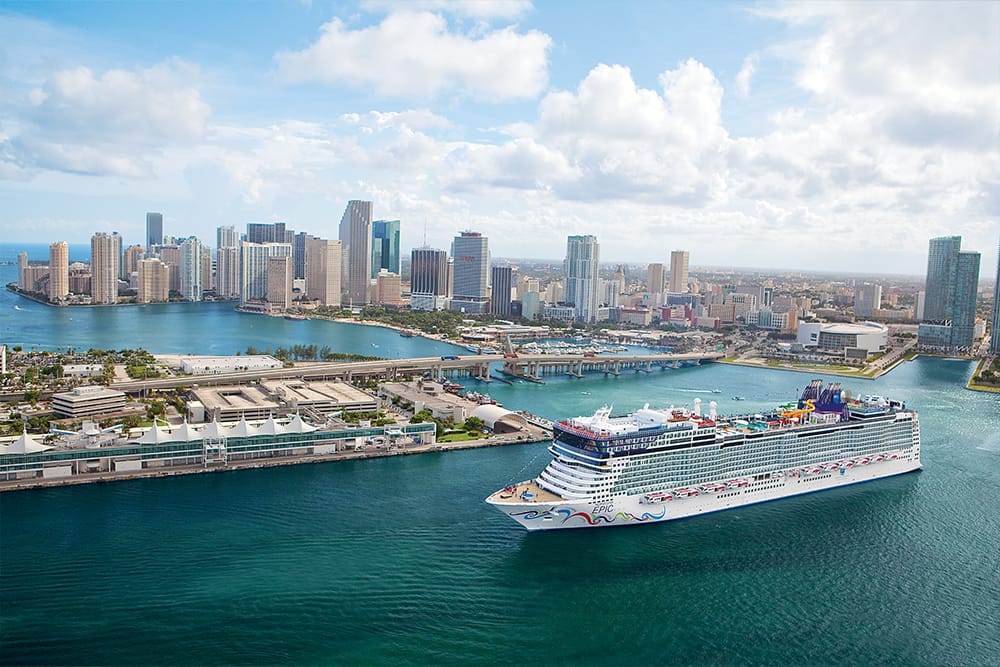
(477, 365)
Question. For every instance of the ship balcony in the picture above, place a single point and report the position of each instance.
(577, 472)
(568, 487)
(572, 476)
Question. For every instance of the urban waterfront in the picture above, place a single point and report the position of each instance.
(399, 560)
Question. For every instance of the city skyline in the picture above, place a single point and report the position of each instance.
(738, 130)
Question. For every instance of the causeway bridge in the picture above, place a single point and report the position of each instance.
(527, 366)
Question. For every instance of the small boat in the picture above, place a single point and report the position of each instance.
(294, 316)
(737, 398)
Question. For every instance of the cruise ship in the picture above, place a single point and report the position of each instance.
(657, 465)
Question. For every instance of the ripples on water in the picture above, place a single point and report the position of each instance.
(399, 560)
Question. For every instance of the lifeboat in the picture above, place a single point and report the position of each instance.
(878, 458)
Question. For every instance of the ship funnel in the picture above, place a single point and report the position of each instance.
(712, 407)
(697, 407)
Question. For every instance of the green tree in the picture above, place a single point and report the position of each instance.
(155, 408)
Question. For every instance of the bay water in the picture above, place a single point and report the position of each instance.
(399, 561)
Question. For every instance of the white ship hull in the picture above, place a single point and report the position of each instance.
(632, 510)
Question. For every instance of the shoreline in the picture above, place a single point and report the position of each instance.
(813, 369)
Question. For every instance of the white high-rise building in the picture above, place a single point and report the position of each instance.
(253, 268)
(227, 263)
(191, 267)
(356, 249)
(678, 271)
(582, 285)
(227, 273)
(226, 236)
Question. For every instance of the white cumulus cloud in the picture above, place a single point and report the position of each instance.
(108, 123)
(416, 54)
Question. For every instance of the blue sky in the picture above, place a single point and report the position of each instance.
(823, 136)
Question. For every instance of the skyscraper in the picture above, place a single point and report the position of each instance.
(995, 340)
(471, 282)
(22, 270)
(356, 247)
(656, 278)
(385, 246)
(299, 254)
(226, 237)
(428, 278)
(867, 298)
(105, 258)
(500, 297)
(58, 271)
(153, 283)
(581, 266)
(227, 263)
(254, 268)
(154, 229)
(227, 272)
(939, 288)
(191, 269)
(678, 271)
(323, 271)
(279, 281)
(267, 232)
(951, 288)
(207, 279)
(170, 254)
(130, 260)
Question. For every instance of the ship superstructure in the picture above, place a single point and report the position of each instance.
(655, 465)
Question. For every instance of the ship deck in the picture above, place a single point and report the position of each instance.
(524, 492)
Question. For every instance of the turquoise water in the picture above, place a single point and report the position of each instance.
(398, 561)
(188, 328)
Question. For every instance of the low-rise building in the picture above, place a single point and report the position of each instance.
(839, 337)
(428, 396)
(323, 397)
(87, 401)
(196, 365)
(83, 370)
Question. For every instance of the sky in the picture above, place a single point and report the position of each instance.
(824, 136)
